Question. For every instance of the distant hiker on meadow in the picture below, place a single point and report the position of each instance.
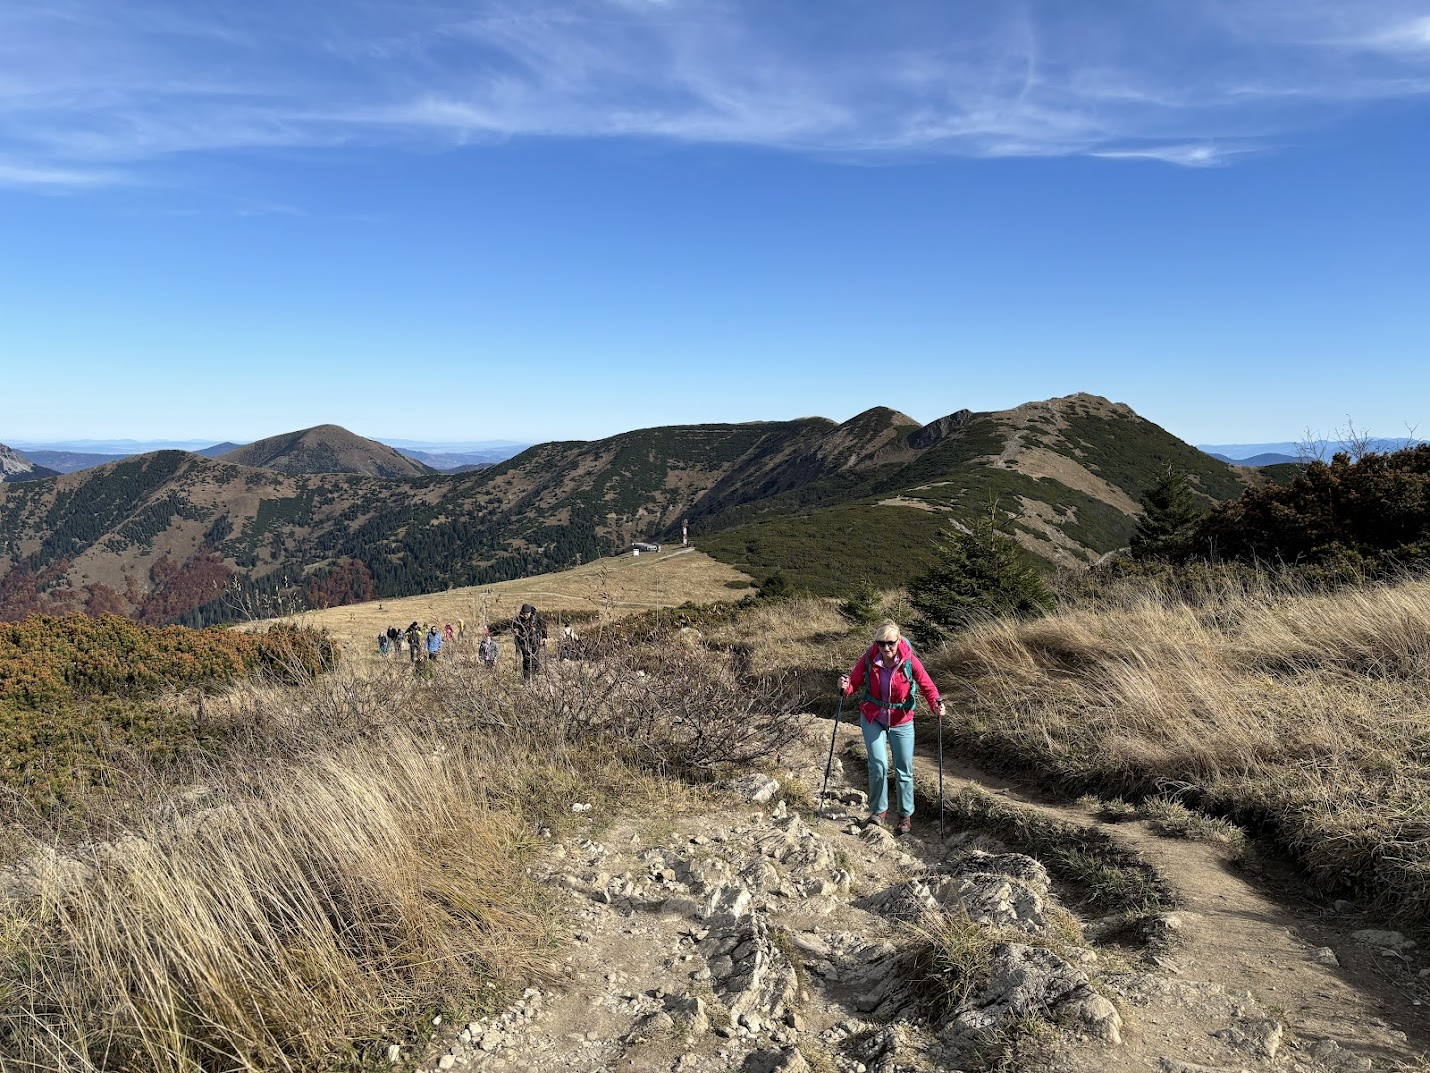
(434, 643)
(448, 633)
(530, 630)
(488, 650)
(414, 642)
(382, 644)
(888, 679)
(394, 639)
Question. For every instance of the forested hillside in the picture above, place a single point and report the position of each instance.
(173, 536)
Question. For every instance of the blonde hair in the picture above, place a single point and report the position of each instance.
(888, 631)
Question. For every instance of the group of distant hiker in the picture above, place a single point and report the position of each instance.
(528, 631)
(421, 639)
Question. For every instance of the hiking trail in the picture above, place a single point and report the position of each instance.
(761, 937)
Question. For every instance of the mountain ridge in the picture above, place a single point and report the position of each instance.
(174, 534)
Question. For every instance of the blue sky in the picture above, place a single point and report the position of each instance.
(486, 220)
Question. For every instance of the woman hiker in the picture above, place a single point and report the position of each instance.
(889, 678)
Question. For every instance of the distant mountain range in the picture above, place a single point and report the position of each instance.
(174, 535)
(70, 456)
(461, 461)
(1247, 454)
(1256, 460)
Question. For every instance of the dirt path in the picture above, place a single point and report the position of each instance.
(753, 938)
(1250, 933)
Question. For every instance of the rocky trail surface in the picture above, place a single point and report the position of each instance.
(761, 937)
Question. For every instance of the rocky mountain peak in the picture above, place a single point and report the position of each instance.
(16, 467)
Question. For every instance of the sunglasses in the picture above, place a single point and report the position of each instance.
(887, 644)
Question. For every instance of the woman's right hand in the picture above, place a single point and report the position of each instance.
(844, 683)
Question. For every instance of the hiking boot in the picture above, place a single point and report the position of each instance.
(876, 819)
(904, 826)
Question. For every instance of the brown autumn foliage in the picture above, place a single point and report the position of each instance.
(349, 582)
(183, 587)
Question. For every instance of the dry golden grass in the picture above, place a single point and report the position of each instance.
(1308, 713)
(356, 863)
(289, 926)
(611, 587)
(804, 632)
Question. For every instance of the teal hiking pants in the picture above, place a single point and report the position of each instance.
(881, 741)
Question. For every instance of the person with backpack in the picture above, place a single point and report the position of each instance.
(414, 642)
(487, 650)
(529, 629)
(888, 679)
(434, 643)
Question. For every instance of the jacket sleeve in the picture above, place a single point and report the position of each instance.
(926, 686)
(856, 677)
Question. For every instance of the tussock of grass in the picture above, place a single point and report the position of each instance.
(952, 958)
(288, 926)
(1307, 714)
(1174, 818)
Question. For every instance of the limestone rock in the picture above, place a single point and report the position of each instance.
(1025, 980)
(756, 787)
(1260, 1038)
(1325, 956)
(652, 1026)
(727, 903)
(1389, 940)
(689, 1010)
(908, 901)
(1097, 1016)
(751, 974)
(786, 1061)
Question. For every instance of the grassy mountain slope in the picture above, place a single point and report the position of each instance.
(1066, 473)
(174, 535)
(325, 449)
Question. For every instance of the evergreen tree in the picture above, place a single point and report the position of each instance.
(776, 586)
(861, 605)
(1169, 514)
(979, 574)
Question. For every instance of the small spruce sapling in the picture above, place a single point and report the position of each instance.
(776, 585)
(861, 605)
(978, 575)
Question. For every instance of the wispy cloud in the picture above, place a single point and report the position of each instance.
(1192, 83)
(50, 178)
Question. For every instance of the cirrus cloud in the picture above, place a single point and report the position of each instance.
(1191, 84)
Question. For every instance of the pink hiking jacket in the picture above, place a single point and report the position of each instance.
(885, 698)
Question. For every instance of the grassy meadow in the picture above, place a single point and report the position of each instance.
(610, 588)
(343, 855)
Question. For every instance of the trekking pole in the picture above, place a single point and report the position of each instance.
(829, 764)
(940, 779)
